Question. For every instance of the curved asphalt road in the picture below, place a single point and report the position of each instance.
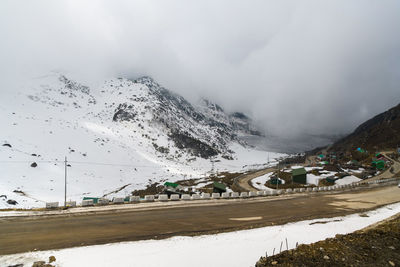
(22, 234)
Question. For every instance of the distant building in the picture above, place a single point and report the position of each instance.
(219, 188)
(95, 199)
(172, 187)
(378, 164)
(299, 176)
(275, 181)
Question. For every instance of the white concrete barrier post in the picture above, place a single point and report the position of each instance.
(196, 197)
(260, 193)
(51, 205)
(252, 194)
(102, 201)
(205, 196)
(225, 195)
(149, 198)
(289, 191)
(185, 197)
(87, 202)
(244, 194)
(174, 197)
(133, 199)
(118, 200)
(234, 194)
(162, 197)
(215, 195)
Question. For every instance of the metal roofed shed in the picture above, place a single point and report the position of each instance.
(299, 176)
(275, 181)
(219, 187)
(95, 199)
(172, 188)
(169, 184)
(379, 164)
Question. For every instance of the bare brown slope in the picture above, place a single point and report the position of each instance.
(380, 132)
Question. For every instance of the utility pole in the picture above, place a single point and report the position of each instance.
(212, 159)
(277, 180)
(65, 183)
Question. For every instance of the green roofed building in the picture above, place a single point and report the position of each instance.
(299, 176)
(275, 181)
(95, 199)
(169, 184)
(219, 188)
(378, 164)
(172, 187)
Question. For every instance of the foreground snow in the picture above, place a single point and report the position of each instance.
(241, 248)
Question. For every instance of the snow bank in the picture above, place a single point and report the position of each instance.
(347, 180)
(241, 248)
(261, 180)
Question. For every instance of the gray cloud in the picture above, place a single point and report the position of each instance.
(317, 67)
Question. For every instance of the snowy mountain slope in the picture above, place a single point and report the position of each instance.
(120, 136)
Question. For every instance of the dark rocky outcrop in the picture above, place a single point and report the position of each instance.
(380, 132)
(12, 202)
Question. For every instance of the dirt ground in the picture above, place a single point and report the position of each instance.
(377, 245)
(21, 234)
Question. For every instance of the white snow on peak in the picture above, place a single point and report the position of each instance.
(115, 134)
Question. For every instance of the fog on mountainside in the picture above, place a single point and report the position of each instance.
(297, 69)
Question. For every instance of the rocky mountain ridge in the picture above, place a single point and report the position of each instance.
(119, 135)
(380, 132)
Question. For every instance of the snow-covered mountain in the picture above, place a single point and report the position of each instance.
(117, 137)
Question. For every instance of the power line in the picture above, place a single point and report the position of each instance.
(77, 162)
(28, 161)
(112, 164)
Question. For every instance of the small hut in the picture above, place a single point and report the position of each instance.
(219, 188)
(378, 164)
(95, 199)
(172, 187)
(299, 176)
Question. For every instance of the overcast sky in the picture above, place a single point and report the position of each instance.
(295, 66)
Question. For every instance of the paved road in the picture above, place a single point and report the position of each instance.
(22, 234)
(244, 180)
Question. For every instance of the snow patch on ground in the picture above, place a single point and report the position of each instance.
(347, 180)
(260, 181)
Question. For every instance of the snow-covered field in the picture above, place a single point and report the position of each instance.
(241, 248)
(347, 180)
(311, 178)
(314, 179)
(260, 181)
(50, 117)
